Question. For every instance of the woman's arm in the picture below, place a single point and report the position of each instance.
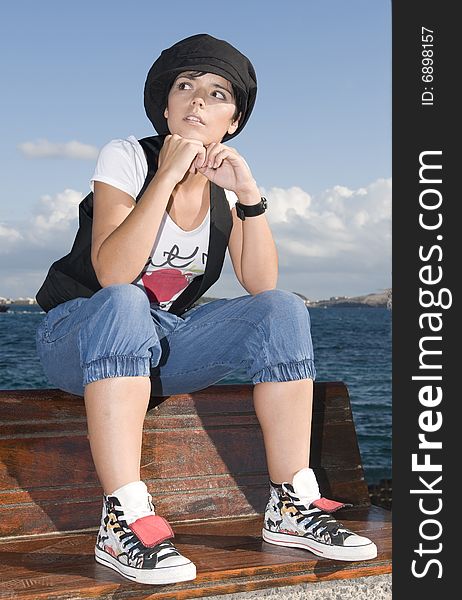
(123, 235)
(251, 245)
(259, 259)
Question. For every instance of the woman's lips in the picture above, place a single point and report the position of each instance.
(192, 122)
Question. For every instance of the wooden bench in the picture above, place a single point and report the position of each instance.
(204, 462)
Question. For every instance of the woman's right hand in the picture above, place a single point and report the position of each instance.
(177, 155)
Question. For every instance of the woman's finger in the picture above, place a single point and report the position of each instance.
(213, 151)
(199, 158)
(210, 164)
(204, 158)
(220, 156)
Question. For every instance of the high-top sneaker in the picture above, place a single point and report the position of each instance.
(136, 542)
(297, 516)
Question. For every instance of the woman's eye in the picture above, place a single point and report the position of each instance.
(182, 83)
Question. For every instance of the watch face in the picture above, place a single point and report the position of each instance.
(240, 212)
(264, 202)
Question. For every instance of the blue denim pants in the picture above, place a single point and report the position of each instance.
(118, 333)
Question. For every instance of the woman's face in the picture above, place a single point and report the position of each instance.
(211, 98)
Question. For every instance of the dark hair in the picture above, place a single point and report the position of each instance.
(238, 97)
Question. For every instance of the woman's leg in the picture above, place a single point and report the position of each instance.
(268, 335)
(101, 348)
(284, 411)
(283, 392)
(110, 402)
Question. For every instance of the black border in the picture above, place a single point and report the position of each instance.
(416, 129)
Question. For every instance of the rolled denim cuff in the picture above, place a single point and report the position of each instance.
(116, 366)
(303, 369)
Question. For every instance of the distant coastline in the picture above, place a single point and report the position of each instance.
(382, 299)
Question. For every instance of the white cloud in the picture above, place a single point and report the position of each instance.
(45, 149)
(8, 236)
(54, 215)
(286, 204)
(51, 226)
(341, 223)
(337, 243)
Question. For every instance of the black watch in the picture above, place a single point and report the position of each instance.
(244, 210)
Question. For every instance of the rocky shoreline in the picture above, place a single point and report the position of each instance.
(382, 299)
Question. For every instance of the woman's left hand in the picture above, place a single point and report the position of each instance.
(227, 168)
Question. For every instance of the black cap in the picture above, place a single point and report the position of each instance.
(201, 52)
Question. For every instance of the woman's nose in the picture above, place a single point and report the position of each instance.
(198, 100)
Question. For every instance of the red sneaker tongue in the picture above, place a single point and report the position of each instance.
(152, 530)
(328, 505)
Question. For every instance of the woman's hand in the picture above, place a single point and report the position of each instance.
(177, 154)
(225, 167)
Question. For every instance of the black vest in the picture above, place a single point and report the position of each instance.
(73, 275)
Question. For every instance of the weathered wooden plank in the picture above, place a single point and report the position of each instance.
(214, 499)
(230, 556)
(203, 455)
(41, 405)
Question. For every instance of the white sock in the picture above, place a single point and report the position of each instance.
(306, 486)
(134, 500)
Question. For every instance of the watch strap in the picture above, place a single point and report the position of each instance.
(244, 210)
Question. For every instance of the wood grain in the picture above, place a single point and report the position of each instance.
(203, 455)
(204, 462)
(229, 554)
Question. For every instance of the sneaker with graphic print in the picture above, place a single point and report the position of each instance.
(137, 543)
(297, 516)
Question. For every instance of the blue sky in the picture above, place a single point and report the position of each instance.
(318, 141)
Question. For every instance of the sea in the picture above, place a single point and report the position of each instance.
(352, 345)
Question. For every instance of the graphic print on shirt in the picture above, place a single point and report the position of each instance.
(177, 257)
(163, 285)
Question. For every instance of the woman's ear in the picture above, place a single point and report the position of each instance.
(234, 124)
(166, 113)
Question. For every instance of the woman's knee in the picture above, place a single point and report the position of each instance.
(123, 305)
(285, 316)
(124, 297)
(120, 325)
(279, 302)
(286, 345)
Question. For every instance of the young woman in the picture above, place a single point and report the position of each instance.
(121, 324)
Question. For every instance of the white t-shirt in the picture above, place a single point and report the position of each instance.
(177, 256)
